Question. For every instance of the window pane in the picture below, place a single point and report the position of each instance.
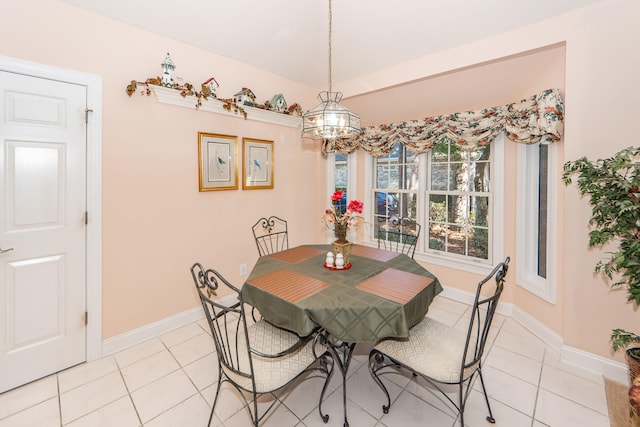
(457, 177)
(437, 208)
(456, 240)
(381, 176)
(479, 243)
(543, 209)
(479, 211)
(340, 179)
(439, 176)
(437, 237)
(457, 209)
(481, 177)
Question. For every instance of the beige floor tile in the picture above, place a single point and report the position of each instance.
(192, 412)
(86, 372)
(139, 352)
(161, 395)
(514, 364)
(203, 372)
(93, 395)
(193, 349)
(555, 410)
(181, 334)
(149, 369)
(20, 398)
(575, 388)
(120, 413)
(44, 414)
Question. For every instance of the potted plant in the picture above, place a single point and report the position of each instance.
(613, 187)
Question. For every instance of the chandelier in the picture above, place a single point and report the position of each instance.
(329, 119)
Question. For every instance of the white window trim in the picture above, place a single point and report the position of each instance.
(526, 204)
(497, 221)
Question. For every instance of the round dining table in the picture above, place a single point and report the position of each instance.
(379, 294)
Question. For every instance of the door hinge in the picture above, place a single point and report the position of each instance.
(86, 217)
(86, 114)
(86, 318)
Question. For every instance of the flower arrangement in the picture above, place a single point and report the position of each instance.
(342, 220)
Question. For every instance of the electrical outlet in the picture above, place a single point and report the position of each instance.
(243, 269)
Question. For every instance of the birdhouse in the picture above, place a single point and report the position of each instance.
(168, 67)
(295, 110)
(212, 84)
(278, 103)
(245, 97)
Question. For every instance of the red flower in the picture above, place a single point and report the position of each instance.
(337, 196)
(355, 206)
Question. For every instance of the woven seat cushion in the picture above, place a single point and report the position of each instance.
(432, 349)
(272, 373)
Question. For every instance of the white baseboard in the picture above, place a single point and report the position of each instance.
(608, 368)
(128, 339)
(600, 365)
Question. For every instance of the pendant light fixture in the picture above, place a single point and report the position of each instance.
(329, 119)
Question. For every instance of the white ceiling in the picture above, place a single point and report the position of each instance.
(290, 37)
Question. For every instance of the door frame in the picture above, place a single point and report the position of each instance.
(93, 279)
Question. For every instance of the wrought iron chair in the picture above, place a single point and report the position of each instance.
(399, 235)
(259, 358)
(271, 235)
(442, 354)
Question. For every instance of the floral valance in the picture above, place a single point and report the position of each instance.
(539, 118)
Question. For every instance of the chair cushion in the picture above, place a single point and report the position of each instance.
(272, 373)
(432, 349)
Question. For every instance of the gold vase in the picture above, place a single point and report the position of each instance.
(343, 248)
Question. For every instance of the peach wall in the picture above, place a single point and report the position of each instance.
(156, 223)
(601, 92)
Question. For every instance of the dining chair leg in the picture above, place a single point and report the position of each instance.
(486, 398)
(215, 400)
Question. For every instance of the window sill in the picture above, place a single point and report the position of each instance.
(476, 267)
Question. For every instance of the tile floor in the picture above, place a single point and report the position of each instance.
(170, 381)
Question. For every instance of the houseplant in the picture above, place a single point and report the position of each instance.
(613, 187)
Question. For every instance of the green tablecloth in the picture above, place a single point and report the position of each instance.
(347, 313)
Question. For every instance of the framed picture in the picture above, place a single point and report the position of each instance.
(257, 172)
(217, 162)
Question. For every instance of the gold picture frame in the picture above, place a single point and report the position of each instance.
(257, 171)
(217, 162)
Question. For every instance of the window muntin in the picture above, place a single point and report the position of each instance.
(458, 195)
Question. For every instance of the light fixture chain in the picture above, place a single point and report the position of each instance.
(330, 37)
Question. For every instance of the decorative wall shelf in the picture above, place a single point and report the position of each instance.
(212, 105)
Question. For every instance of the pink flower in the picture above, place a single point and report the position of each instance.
(337, 196)
(355, 206)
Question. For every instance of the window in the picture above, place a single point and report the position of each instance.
(536, 203)
(395, 191)
(456, 195)
(341, 179)
(342, 175)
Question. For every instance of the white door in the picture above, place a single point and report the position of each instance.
(42, 227)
